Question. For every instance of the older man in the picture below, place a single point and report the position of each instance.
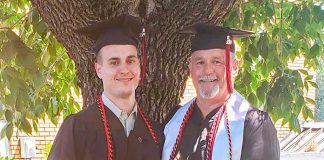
(114, 128)
(219, 123)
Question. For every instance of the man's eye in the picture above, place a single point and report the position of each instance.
(200, 62)
(131, 61)
(217, 62)
(114, 63)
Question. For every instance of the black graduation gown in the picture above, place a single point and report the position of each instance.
(82, 137)
(260, 140)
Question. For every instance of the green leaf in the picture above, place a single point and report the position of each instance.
(284, 108)
(269, 11)
(300, 102)
(8, 52)
(275, 32)
(261, 92)
(318, 13)
(31, 39)
(310, 113)
(8, 115)
(51, 117)
(309, 77)
(35, 126)
(252, 99)
(35, 17)
(41, 28)
(12, 36)
(300, 25)
(247, 19)
(305, 14)
(296, 108)
(19, 106)
(313, 84)
(9, 130)
(303, 72)
(314, 51)
(311, 101)
(12, 72)
(246, 78)
(46, 58)
(25, 57)
(305, 113)
(294, 123)
(54, 105)
(275, 117)
(284, 121)
(51, 49)
(77, 106)
(11, 100)
(306, 85)
(3, 131)
(253, 51)
(25, 125)
(247, 58)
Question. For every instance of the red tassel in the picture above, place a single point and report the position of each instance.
(143, 57)
(228, 66)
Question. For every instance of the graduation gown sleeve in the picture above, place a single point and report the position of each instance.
(81, 137)
(260, 137)
(63, 146)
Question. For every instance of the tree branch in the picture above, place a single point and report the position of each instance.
(19, 20)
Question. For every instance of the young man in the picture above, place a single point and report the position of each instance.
(219, 123)
(114, 128)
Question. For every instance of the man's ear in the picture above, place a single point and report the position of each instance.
(190, 65)
(235, 67)
(98, 69)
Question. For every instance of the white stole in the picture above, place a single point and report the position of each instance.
(236, 107)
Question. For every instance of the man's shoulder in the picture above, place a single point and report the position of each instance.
(89, 110)
(257, 119)
(83, 117)
(254, 113)
(171, 113)
(176, 115)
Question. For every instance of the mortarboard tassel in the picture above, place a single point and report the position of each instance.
(143, 56)
(228, 65)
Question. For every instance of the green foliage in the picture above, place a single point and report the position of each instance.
(6, 158)
(284, 31)
(36, 74)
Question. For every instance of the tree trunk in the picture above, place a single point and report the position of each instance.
(168, 52)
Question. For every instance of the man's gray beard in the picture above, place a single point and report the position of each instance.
(211, 94)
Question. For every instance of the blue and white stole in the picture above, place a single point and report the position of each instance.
(236, 108)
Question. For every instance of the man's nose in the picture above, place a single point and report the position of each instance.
(124, 68)
(209, 68)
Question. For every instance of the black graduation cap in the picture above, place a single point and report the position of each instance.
(208, 36)
(122, 30)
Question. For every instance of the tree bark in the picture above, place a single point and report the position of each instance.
(168, 51)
